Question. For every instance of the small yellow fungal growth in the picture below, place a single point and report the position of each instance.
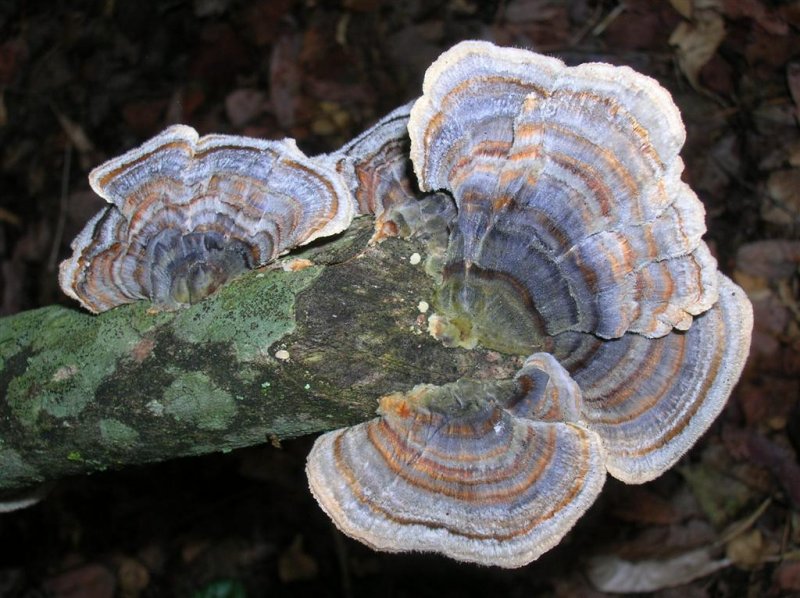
(452, 333)
(65, 373)
(296, 264)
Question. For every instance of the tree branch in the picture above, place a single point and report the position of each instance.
(84, 393)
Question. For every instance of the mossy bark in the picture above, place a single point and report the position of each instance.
(82, 393)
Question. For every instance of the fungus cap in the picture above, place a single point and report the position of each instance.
(450, 470)
(188, 213)
(378, 171)
(567, 182)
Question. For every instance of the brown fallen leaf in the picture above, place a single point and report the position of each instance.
(770, 20)
(88, 581)
(145, 117)
(684, 8)
(662, 541)
(787, 576)
(770, 259)
(78, 138)
(783, 188)
(285, 78)
(696, 41)
(9, 217)
(747, 550)
(13, 54)
(295, 564)
(609, 573)
(793, 81)
(243, 105)
(780, 461)
(133, 577)
(264, 20)
(641, 505)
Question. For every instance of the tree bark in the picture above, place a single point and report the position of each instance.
(83, 393)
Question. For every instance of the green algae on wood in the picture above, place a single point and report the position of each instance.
(194, 398)
(252, 312)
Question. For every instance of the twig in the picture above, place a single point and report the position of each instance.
(610, 18)
(745, 524)
(63, 205)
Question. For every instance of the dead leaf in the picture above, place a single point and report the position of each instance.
(697, 41)
(220, 55)
(783, 188)
(265, 20)
(13, 53)
(285, 77)
(787, 576)
(295, 564)
(662, 541)
(207, 8)
(133, 577)
(720, 495)
(793, 81)
(771, 21)
(76, 134)
(9, 217)
(545, 23)
(770, 259)
(683, 7)
(144, 117)
(636, 26)
(747, 550)
(610, 573)
(361, 5)
(779, 460)
(88, 581)
(243, 105)
(640, 505)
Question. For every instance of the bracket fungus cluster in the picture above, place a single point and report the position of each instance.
(574, 235)
(572, 241)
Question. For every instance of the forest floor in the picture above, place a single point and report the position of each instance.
(81, 81)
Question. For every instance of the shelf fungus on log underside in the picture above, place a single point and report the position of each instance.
(188, 213)
(575, 235)
(451, 469)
